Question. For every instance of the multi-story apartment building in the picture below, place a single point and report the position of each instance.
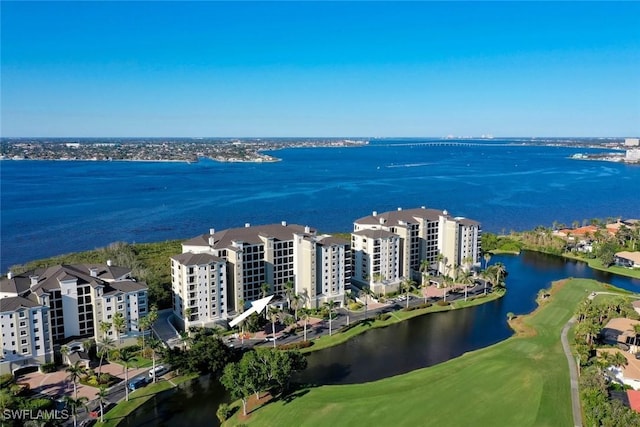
(376, 255)
(322, 268)
(423, 234)
(78, 298)
(199, 285)
(26, 334)
(319, 266)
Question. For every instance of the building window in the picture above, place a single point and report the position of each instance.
(21, 314)
(25, 350)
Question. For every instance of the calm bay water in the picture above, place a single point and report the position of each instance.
(53, 207)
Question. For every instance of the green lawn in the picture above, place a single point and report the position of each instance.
(522, 381)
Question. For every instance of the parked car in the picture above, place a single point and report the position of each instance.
(158, 371)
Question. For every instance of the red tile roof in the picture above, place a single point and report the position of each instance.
(634, 399)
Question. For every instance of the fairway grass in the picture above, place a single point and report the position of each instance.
(522, 381)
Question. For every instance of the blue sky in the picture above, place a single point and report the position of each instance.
(320, 69)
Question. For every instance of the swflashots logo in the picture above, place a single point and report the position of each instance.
(32, 414)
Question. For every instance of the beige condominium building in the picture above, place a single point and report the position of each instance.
(75, 300)
(26, 334)
(319, 266)
(199, 285)
(393, 245)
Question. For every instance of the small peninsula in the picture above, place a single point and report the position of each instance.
(159, 149)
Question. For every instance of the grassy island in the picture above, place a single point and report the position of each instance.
(521, 381)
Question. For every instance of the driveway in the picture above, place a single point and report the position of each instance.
(56, 384)
(164, 330)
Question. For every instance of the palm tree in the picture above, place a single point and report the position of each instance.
(103, 348)
(440, 258)
(143, 325)
(126, 358)
(346, 302)
(486, 278)
(75, 372)
(154, 345)
(265, 288)
(424, 269)
(101, 396)
(104, 328)
(487, 258)
(366, 292)
(407, 286)
(304, 315)
(297, 302)
(499, 272)
(274, 315)
(64, 351)
(147, 322)
(289, 289)
(619, 360)
(74, 404)
(425, 285)
(466, 280)
(119, 323)
(329, 305)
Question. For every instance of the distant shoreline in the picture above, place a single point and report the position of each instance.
(275, 159)
(188, 152)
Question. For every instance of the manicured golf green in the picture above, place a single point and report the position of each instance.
(522, 381)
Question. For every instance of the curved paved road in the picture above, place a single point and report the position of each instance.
(573, 373)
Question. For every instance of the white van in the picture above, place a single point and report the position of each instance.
(158, 372)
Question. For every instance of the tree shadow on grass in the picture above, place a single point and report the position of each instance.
(290, 397)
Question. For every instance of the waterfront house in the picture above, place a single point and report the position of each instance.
(580, 232)
(620, 332)
(627, 259)
(628, 374)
